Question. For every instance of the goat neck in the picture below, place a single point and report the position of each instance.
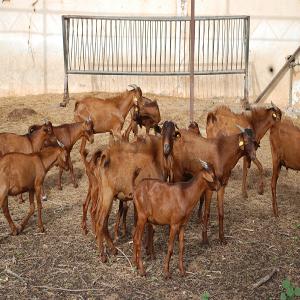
(36, 139)
(192, 190)
(49, 156)
(125, 102)
(76, 131)
(230, 153)
(260, 122)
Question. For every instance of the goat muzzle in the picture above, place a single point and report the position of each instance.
(167, 149)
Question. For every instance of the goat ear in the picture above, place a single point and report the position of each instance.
(177, 134)
(207, 176)
(241, 143)
(60, 144)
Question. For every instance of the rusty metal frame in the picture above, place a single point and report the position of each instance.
(155, 46)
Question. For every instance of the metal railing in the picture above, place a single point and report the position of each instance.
(157, 46)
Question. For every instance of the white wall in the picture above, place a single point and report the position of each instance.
(31, 59)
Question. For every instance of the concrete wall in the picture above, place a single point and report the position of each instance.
(31, 57)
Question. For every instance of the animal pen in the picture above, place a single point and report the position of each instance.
(155, 46)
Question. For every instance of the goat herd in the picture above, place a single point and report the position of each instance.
(165, 174)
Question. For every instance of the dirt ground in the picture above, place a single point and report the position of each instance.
(63, 263)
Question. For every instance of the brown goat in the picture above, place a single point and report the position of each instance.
(168, 135)
(69, 134)
(28, 143)
(21, 173)
(145, 114)
(163, 203)
(93, 189)
(108, 115)
(117, 165)
(223, 153)
(222, 121)
(285, 148)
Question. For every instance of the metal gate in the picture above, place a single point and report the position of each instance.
(154, 46)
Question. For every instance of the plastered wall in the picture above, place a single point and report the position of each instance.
(31, 56)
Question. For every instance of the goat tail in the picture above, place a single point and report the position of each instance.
(76, 105)
(135, 175)
(84, 155)
(211, 118)
(157, 129)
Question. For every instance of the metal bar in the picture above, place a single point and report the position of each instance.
(66, 98)
(192, 59)
(114, 48)
(278, 76)
(291, 85)
(171, 73)
(153, 18)
(246, 88)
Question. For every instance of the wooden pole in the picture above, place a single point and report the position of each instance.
(192, 58)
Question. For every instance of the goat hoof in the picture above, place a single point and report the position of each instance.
(15, 231)
(223, 242)
(245, 195)
(42, 229)
(167, 275)
(103, 258)
(114, 251)
(261, 191)
(183, 273)
(205, 243)
(44, 198)
(75, 185)
(59, 188)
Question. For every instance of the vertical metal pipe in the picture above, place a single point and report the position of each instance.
(291, 85)
(66, 98)
(192, 52)
(246, 41)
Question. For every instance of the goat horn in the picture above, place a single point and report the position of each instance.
(176, 126)
(134, 86)
(240, 128)
(89, 118)
(60, 144)
(273, 105)
(46, 120)
(204, 164)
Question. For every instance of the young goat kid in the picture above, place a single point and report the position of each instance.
(21, 173)
(171, 204)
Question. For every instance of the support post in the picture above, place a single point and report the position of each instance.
(292, 65)
(245, 101)
(192, 58)
(66, 98)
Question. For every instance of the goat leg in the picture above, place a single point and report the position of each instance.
(72, 172)
(85, 207)
(4, 205)
(246, 165)
(173, 231)
(181, 251)
(39, 206)
(21, 199)
(125, 210)
(261, 176)
(118, 218)
(59, 186)
(149, 241)
(275, 175)
(208, 195)
(30, 213)
(220, 197)
(200, 217)
(137, 242)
